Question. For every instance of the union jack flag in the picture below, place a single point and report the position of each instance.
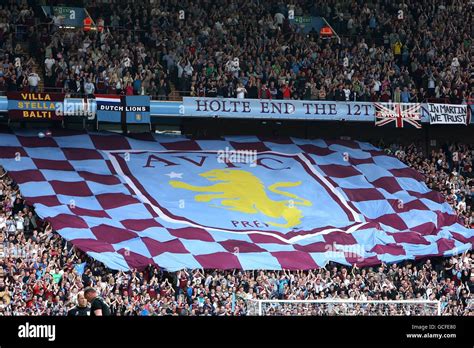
(399, 113)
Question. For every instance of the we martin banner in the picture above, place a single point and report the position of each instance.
(448, 114)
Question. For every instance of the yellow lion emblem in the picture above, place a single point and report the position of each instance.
(242, 191)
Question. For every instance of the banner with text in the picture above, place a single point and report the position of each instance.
(398, 113)
(25, 106)
(68, 16)
(138, 109)
(447, 114)
(281, 109)
(130, 109)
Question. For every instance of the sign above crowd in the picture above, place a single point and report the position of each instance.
(448, 114)
(139, 109)
(66, 16)
(122, 109)
(278, 109)
(25, 106)
(398, 113)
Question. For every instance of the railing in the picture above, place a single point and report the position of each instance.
(176, 95)
(70, 94)
(343, 307)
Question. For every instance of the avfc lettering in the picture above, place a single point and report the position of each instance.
(270, 163)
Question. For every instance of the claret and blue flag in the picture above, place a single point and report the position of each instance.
(110, 108)
(237, 202)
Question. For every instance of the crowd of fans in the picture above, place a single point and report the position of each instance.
(17, 62)
(385, 50)
(449, 170)
(42, 274)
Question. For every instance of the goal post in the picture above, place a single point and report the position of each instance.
(348, 307)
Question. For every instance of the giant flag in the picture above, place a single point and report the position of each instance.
(237, 202)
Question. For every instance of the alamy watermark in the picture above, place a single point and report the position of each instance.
(37, 331)
(237, 156)
(76, 108)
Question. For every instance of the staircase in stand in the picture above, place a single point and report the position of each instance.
(174, 94)
(39, 71)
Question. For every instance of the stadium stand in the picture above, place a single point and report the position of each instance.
(215, 49)
(240, 49)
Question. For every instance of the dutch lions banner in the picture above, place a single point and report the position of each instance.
(447, 114)
(111, 107)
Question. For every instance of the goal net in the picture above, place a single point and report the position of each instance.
(343, 307)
